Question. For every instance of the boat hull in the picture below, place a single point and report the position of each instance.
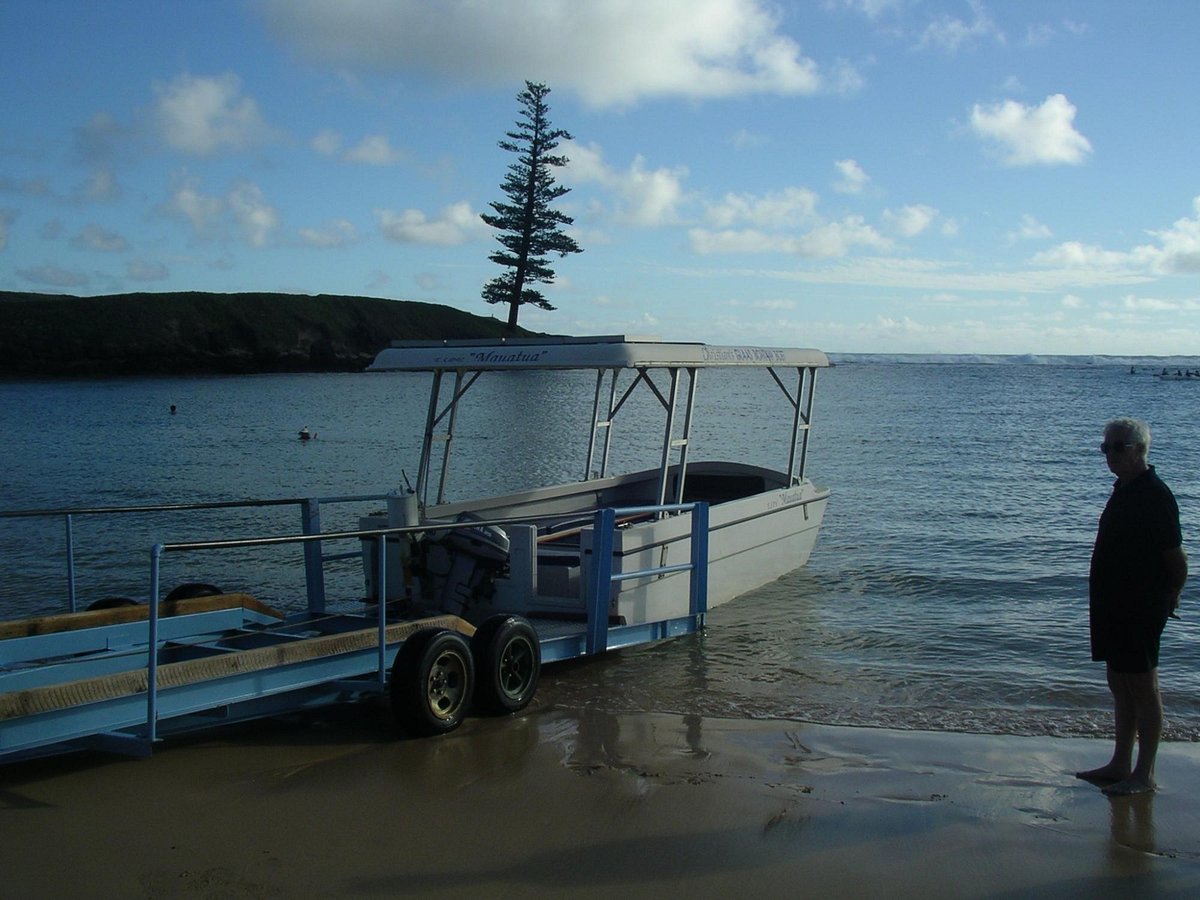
(752, 542)
(766, 532)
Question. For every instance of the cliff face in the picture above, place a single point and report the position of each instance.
(196, 333)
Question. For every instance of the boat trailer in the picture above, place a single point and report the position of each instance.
(124, 678)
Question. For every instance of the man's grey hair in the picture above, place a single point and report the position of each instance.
(1135, 431)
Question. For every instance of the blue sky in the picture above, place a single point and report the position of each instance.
(858, 175)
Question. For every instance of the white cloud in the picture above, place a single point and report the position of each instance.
(746, 140)
(30, 187)
(327, 142)
(204, 116)
(910, 221)
(651, 196)
(872, 9)
(454, 225)
(101, 187)
(1077, 255)
(1070, 301)
(844, 78)
(832, 239)
(97, 237)
(706, 242)
(585, 163)
(772, 304)
(340, 233)
(210, 216)
(256, 218)
(1041, 135)
(374, 150)
(1180, 250)
(610, 52)
(839, 238)
(644, 197)
(953, 34)
(853, 179)
(54, 276)
(1153, 304)
(1030, 229)
(203, 211)
(894, 272)
(97, 142)
(138, 270)
(1176, 253)
(790, 207)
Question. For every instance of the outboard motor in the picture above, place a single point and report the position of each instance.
(463, 564)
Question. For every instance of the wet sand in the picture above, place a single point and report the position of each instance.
(583, 803)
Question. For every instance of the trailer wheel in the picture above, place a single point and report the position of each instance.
(433, 678)
(191, 589)
(508, 658)
(110, 603)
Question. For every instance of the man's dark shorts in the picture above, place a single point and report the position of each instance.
(1137, 652)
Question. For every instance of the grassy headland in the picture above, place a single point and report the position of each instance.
(200, 333)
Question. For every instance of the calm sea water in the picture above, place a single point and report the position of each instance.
(947, 590)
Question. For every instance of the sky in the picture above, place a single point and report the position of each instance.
(871, 176)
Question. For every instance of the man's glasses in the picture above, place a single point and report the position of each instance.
(1107, 448)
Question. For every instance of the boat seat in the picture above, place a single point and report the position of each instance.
(721, 488)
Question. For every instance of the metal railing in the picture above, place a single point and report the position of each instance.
(310, 526)
(605, 528)
(604, 524)
(360, 676)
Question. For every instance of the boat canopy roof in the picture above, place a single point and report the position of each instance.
(595, 352)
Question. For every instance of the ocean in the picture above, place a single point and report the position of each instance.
(947, 590)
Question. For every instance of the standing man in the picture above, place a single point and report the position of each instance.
(1138, 570)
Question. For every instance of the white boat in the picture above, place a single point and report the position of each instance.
(763, 522)
(479, 592)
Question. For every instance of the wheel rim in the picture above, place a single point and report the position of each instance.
(516, 667)
(447, 685)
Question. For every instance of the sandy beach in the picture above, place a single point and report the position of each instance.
(585, 803)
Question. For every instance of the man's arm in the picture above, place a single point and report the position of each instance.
(1175, 562)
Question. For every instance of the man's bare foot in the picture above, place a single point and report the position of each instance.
(1134, 784)
(1105, 774)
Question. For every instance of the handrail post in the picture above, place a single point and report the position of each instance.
(604, 525)
(152, 649)
(70, 563)
(382, 583)
(698, 605)
(314, 568)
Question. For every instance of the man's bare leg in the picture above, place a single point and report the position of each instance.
(1143, 687)
(1119, 768)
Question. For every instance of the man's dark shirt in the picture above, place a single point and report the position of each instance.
(1129, 585)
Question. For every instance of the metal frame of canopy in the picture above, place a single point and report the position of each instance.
(607, 355)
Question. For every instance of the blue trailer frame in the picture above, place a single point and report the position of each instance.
(123, 679)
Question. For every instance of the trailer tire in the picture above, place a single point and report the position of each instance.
(110, 603)
(508, 662)
(433, 679)
(192, 589)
